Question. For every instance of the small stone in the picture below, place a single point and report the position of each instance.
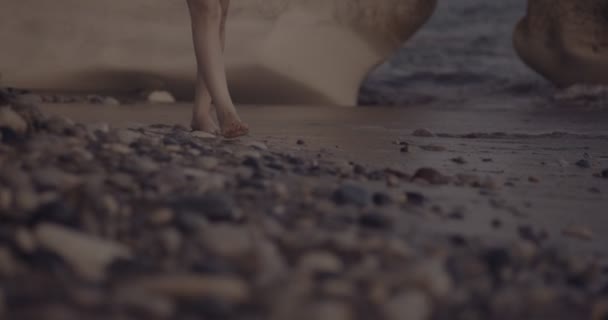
(459, 160)
(118, 148)
(258, 145)
(172, 240)
(161, 96)
(584, 163)
(431, 176)
(415, 198)
(349, 194)
(203, 135)
(320, 262)
(161, 217)
(533, 179)
(228, 241)
(110, 101)
(55, 178)
(374, 220)
(224, 288)
(496, 223)
(25, 241)
(433, 148)
(604, 174)
(423, 133)
(578, 232)
(127, 136)
(300, 142)
(381, 199)
(208, 163)
(87, 255)
(26, 200)
(405, 149)
(11, 122)
(216, 207)
(432, 276)
(270, 264)
(409, 305)
(99, 127)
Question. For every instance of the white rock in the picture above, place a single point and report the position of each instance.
(87, 255)
(110, 101)
(161, 97)
(11, 120)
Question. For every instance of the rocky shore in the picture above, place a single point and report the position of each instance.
(157, 222)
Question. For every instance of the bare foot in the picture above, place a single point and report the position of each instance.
(205, 123)
(232, 126)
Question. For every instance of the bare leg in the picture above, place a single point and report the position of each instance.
(207, 18)
(203, 116)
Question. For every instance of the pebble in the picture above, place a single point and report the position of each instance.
(203, 135)
(161, 97)
(415, 198)
(258, 145)
(224, 288)
(25, 241)
(216, 207)
(375, 220)
(408, 305)
(423, 133)
(320, 262)
(381, 199)
(584, 163)
(110, 101)
(127, 136)
(605, 174)
(459, 160)
(12, 121)
(433, 148)
(55, 178)
(271, 265)
(349, 194)
(578, 232)
(227, 240)
(431, 176)
(162, 216)
(87, 255)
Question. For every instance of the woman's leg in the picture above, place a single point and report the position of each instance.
(208, 18)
